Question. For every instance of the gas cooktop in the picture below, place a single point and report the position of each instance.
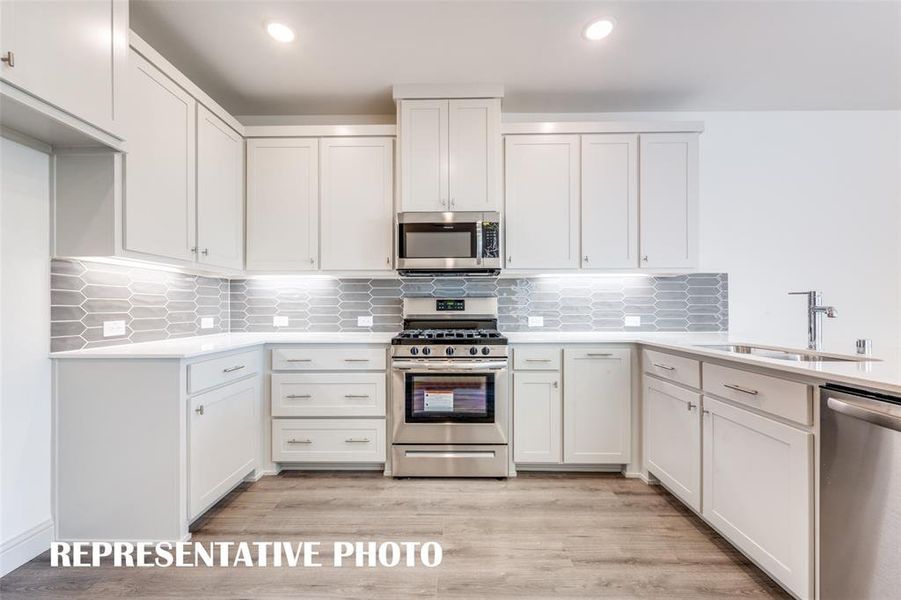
(449, 336)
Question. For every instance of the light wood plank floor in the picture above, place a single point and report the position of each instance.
(535, 536)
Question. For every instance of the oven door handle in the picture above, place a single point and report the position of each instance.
(449, 367)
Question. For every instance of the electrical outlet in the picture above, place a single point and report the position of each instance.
(364, 321)
(632, 321)
(206, 322)
(113, 328)
(536, 321)
(278, 321)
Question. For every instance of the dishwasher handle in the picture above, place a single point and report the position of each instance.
(873, 411)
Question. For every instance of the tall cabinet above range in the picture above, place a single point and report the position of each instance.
(449, 148)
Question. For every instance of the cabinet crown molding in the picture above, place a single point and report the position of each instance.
(408, 91)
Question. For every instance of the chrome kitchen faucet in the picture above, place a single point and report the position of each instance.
(815, 312)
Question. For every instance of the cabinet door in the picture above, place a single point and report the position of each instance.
(542, 201)
(66, 52)
(758, 490)
(597, 405)
(160, 201)
(282, 204)
(474, 155)
(609, 201)
(423, 155)
(222, 441)
(537, 413)
(672, 438)
(357, 203)
(220, 192)
(669, 200)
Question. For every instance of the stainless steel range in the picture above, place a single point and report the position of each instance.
(449, 390)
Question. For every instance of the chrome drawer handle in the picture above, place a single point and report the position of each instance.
(299, 360)
(293, 396)
(599, 354)
(738, 388)
(293, 441)
(538, 360)
(233, 369)
(356, 360)
(356, 395)
(357, 440)
(664, 367)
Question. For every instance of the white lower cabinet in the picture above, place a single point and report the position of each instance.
(758, 490)
(537, 416)
(672, 444)
(597, 405)
(579, 415)
(328, 394)
(328, 440)
(222, 441)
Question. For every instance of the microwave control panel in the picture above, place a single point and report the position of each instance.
(491, 246)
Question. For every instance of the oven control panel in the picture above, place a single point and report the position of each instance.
(453, 351)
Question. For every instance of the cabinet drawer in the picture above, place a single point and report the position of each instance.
(328, 440)
(312, 358)
(674, 368)
(328, 395)
(210, 373)
(787, 399)
(537, 358)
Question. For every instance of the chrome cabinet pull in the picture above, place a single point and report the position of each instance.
(299, 360)
(598, 354)
(9, 58)
(585, 259)
(705, 412)
(293, 396)
(199, 410)
(644, 258)
(233, 369)
(556, 385)
(356, 360)
(692, 406)
(205, 251)
(193, 249)
(664, 367)
(293, 441)
(357, 440)
(356, 395)
(738, 388)
(538, 360)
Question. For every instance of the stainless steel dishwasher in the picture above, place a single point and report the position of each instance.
(860, 494)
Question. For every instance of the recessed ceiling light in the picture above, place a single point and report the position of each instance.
(280, 32)
(598, 30)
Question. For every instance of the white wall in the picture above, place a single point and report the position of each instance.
(800, 200)
(25, 446)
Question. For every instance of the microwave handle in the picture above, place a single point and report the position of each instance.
(478, 242)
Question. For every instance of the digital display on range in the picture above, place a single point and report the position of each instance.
(450, 305)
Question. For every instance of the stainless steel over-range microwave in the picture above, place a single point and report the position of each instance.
(448, 243)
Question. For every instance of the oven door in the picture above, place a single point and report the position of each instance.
(449, 402)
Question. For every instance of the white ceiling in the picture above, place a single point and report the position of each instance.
(671, 55)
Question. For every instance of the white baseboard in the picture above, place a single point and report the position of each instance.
(638, 475)
(19, 550)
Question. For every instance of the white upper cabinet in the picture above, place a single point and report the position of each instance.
(597, 405)
(672, 438)
(282, 204)
(609, 201)
(669, 200)
(449, 154)
(160, 207)
(357, 194)
(542, 201)
(475, 141)
(70, 55)
(220, 192)
(423, 155)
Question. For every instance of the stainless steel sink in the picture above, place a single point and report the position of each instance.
(780, 354)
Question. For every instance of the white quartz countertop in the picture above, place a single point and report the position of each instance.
(884, 375)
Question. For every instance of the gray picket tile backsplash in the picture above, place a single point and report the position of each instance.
(158, 304)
